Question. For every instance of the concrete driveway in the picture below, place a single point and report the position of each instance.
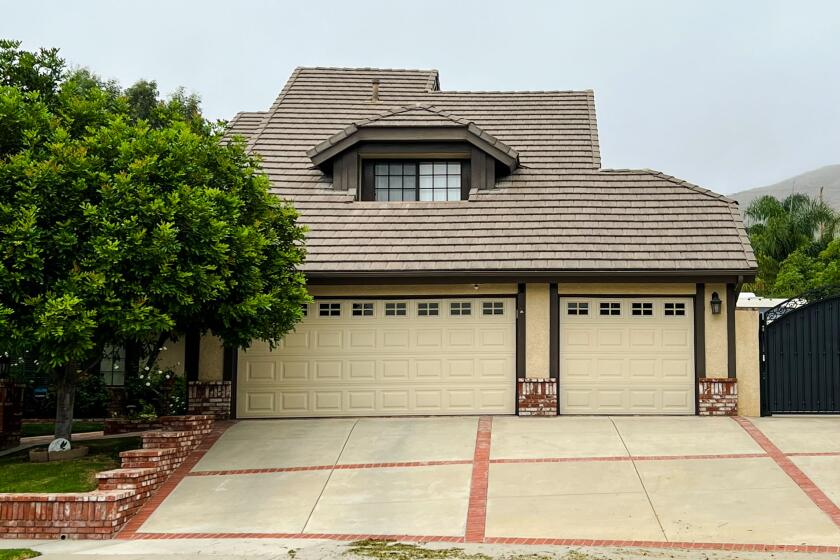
(652, 481)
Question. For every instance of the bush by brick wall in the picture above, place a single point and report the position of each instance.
(127, 426)
(11, 413)
(121, 492)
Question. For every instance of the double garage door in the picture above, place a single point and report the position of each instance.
(370, 357)
(439, 356)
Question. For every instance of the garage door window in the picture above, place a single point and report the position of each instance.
(641, 309)
(304, 308)
(674, 309)
(460, 308)
(428, 309)
(393, 309)
(362, 310)
(577, 308)
(329, 310)
(610, 308)
(493, 308)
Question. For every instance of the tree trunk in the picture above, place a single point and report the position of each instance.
(65, 399)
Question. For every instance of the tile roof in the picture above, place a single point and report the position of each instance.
(557, 212)
(415, 116)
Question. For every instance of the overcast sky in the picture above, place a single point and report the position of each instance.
(726, 94)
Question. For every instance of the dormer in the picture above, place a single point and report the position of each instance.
(413, 153)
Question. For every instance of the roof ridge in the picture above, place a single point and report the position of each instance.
(691, 186)
(271, 110)
(746, 247)
(593, 129)
(676, 181)
(367, 68)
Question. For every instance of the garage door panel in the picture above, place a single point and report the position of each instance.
(261, 372)
(293, 341)
(624, 363)
(328, 340)
(345, 365)
(293, 370)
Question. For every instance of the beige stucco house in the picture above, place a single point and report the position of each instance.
(469, 255)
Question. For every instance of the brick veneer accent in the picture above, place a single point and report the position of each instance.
(717, 397)
(537, 397)
(100, 514)
(210, 397)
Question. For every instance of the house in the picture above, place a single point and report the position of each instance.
(469, 255)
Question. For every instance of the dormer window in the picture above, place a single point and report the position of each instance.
(414, 153)
(417, 180)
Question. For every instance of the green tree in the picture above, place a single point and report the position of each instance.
(117, 229)
(779, 229)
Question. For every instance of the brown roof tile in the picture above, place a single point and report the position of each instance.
(558, 212)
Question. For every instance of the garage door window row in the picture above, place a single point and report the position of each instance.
(401, 309)
(637, 309)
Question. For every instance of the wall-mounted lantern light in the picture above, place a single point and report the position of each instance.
(715, 303)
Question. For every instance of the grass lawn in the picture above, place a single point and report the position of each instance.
(48, 429)
(17, 553)
(17, 474)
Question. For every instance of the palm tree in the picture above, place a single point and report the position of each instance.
(778, 228)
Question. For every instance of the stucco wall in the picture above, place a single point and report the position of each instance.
(717, 364)
(413, 289)
(747, 361)
(173, 357)
(537, 330)
(211, 358)
(687, 289)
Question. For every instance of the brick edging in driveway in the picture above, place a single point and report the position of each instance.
(146, 510)
(789, 467)
(477, 505)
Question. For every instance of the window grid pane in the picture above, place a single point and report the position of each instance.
(674, 309)
(610, 308)
(642, 309)
(329, 310)
(577, 308)
(425, 181)
(460, 308)
(395, 309)
(493, 308)
(428, 309)
(362, 310)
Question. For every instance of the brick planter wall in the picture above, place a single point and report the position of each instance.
(11, 413)
(537, 397)
(127, 426)
(100, 514)
(717, 397)
(210, 397)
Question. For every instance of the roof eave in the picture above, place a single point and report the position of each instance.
(352, 135)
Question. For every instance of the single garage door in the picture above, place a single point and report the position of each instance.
(626, 355)
(366, 357)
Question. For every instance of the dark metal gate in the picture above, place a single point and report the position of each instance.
(800, 355)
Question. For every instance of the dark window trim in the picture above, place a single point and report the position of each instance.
(368, 190)
(731, 302)
(520, 335)
(554, 334)
(699, 342)
(420, 297)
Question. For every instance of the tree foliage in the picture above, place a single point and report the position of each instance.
(795, 240)
(125, 217)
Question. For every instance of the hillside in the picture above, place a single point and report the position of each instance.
(808, 183)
